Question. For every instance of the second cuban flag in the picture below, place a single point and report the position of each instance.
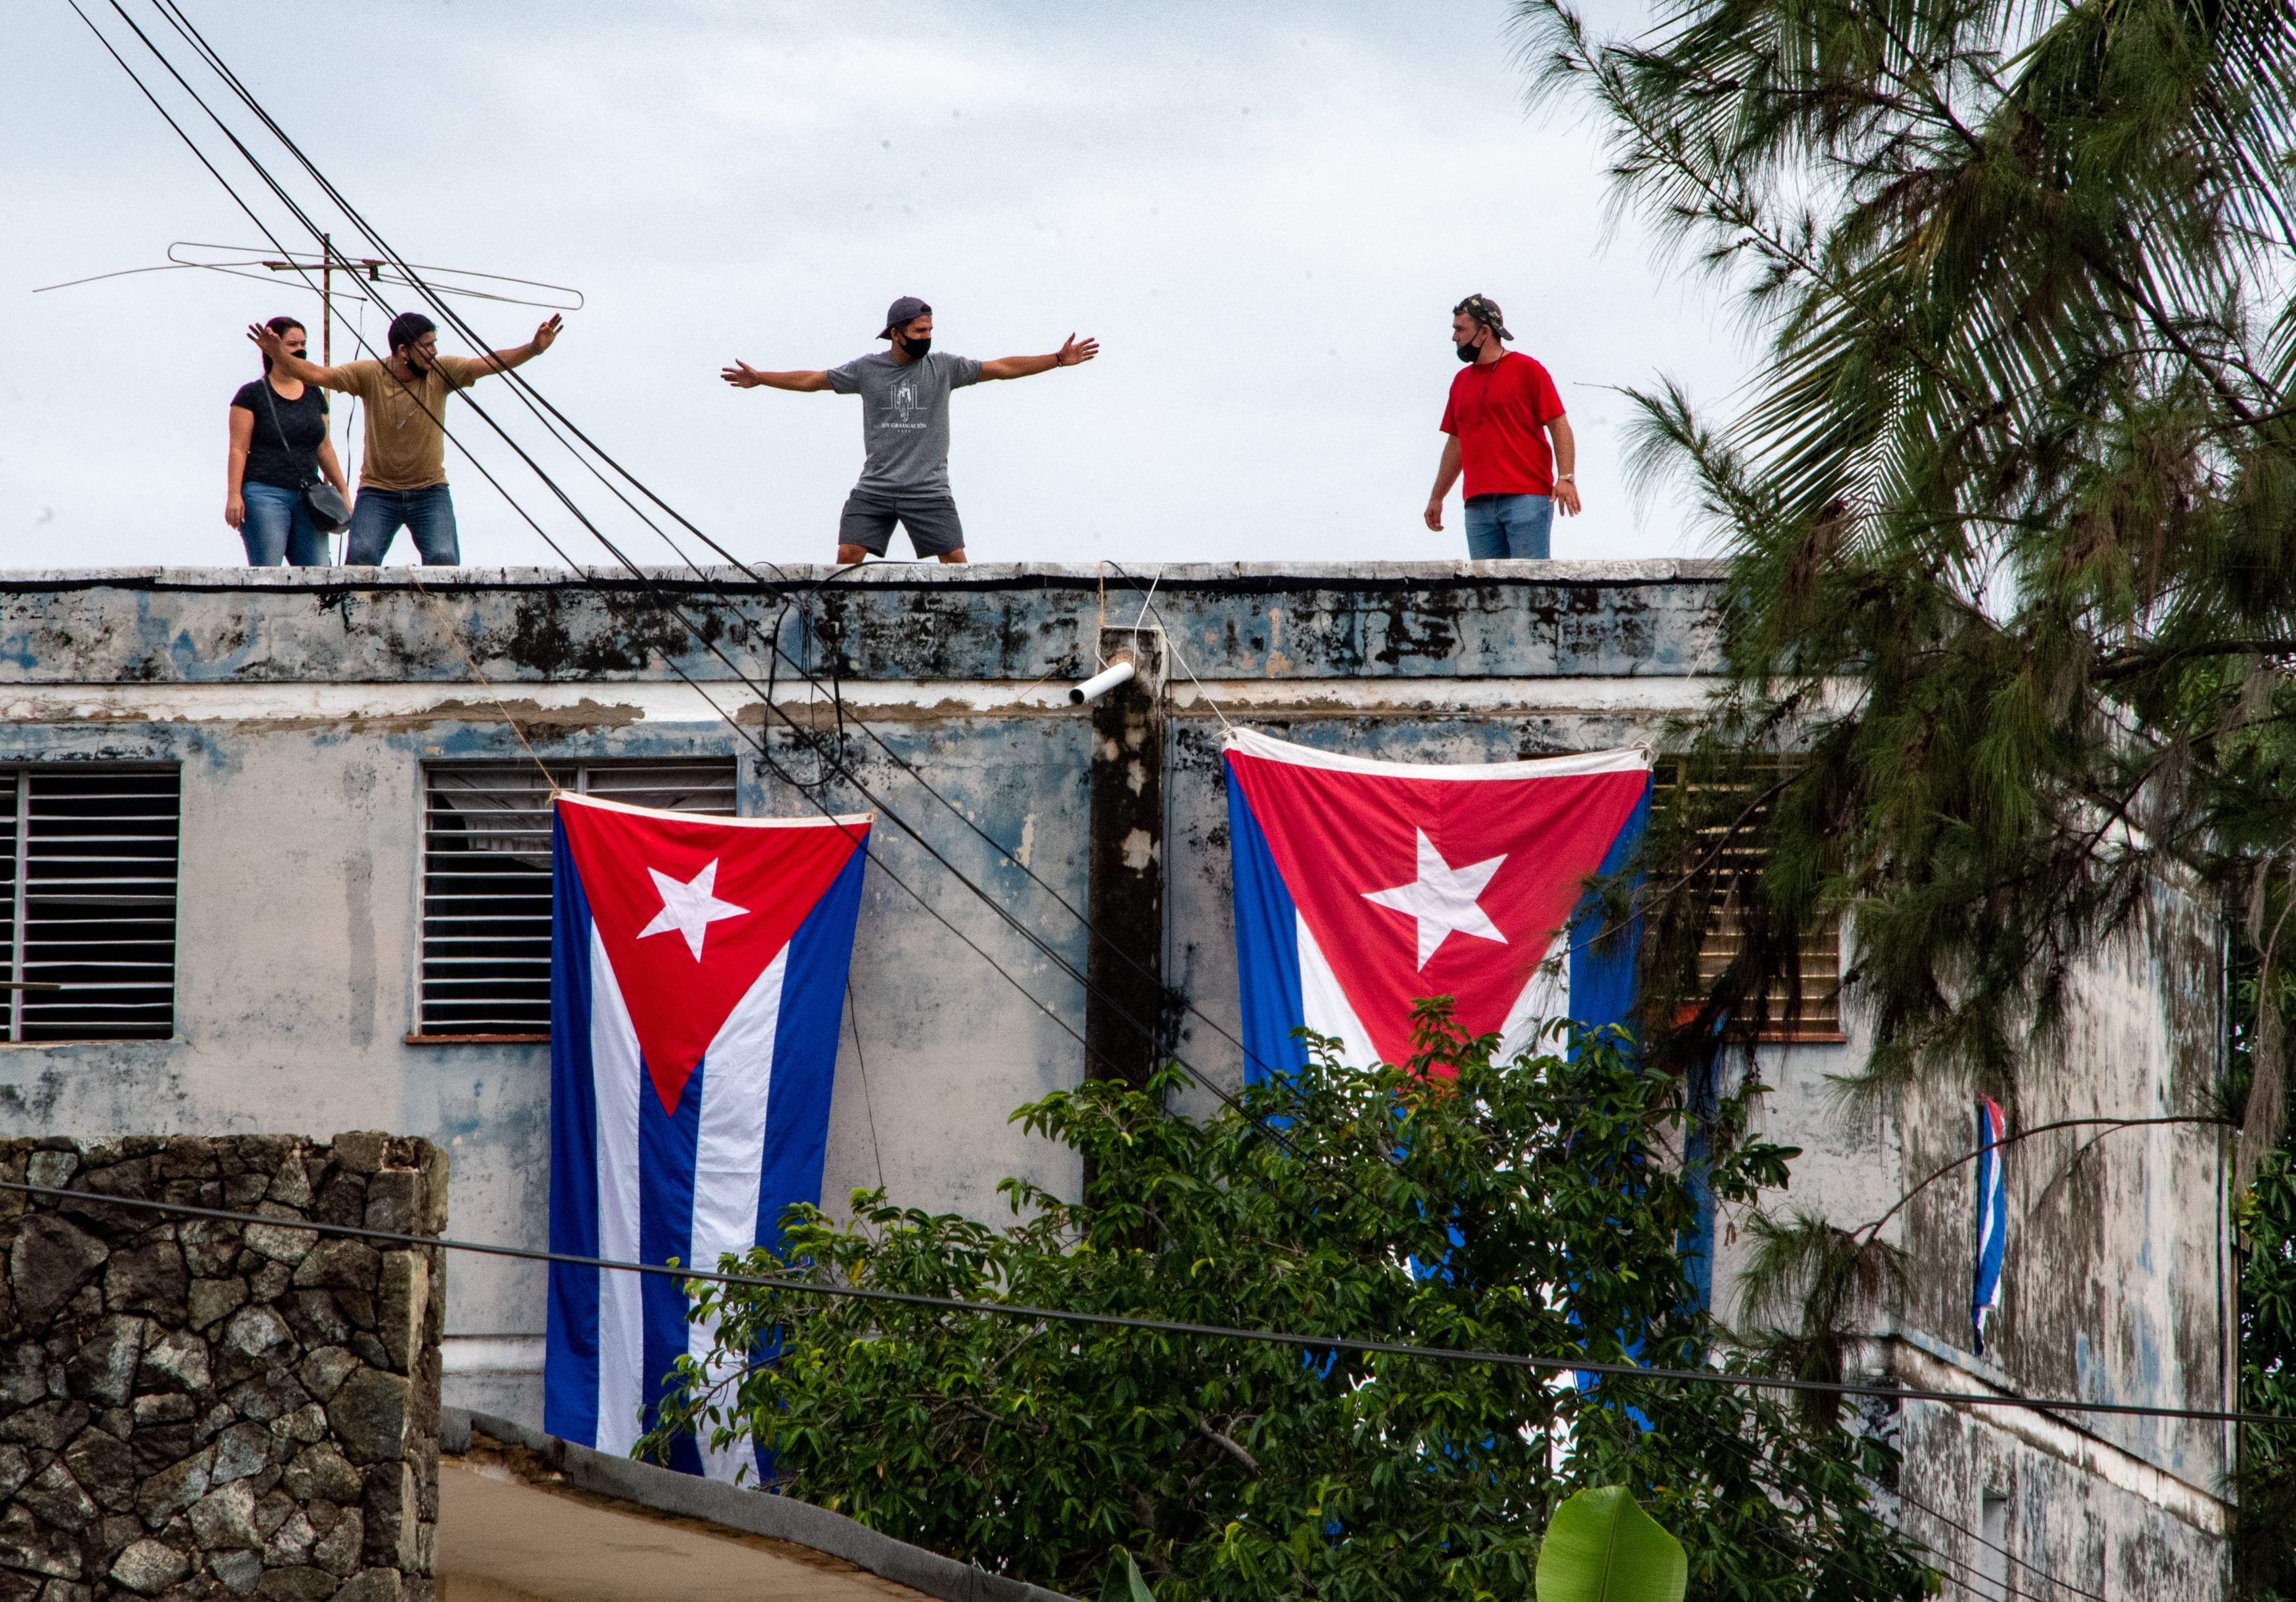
(1364, 886)
(698, 966)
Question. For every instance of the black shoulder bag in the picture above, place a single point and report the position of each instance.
(329, 511)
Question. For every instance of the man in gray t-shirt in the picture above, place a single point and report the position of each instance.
(905, 429)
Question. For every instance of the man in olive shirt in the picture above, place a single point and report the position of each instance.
(402, 472)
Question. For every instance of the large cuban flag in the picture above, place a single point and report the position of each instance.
(1363, 886)
(697, 970)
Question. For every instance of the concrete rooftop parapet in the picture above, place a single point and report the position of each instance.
(772, 576)
(920, 623)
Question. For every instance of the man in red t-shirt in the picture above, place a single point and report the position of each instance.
(1502, 411)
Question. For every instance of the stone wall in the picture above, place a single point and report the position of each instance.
(196, 1408)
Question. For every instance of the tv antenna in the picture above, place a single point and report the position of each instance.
(265, 266)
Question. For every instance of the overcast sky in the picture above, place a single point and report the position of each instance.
(1264, 213)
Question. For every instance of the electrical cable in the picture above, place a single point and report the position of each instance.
(1922, 1507)
(1148, 608)
(525, 388)
(1170, 1326)
(860, 1061)
(1149, 1326)
(693, 630)
(756, 742)
(1968, 1576)
(536, 402)
(2112, 1125)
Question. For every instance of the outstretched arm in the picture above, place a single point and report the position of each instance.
(743, 377)
(1072, 351)
(518, 356)
(282, 360)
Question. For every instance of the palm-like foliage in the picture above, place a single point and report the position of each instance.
(2011, 505)
(2012, 499)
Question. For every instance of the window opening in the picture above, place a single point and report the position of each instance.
(486, 884)
(1992, 1554)
(88, 870)
(1808, 1009)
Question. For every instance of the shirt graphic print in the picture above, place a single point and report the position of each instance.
(905, 418)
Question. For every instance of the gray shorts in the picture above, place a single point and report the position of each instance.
(931, 520)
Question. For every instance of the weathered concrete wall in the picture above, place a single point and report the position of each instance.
(2077, 1516)
(2114, 1283)
(2069, 1524)
(2109, 1291)
(302, 707)
(190, 1408)
(1373, 620)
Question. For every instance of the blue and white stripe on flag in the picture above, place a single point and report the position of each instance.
(1992, 1216)
(698, 967)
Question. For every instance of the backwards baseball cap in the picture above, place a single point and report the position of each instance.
(1482, 309)
(908, 308)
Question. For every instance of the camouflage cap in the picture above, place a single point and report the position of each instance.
(1485, 310)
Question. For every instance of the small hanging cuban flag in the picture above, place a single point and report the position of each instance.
(697, 973)
(1992, 1216)
(1364, 886)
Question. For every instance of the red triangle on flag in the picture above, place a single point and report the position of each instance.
(692, 910)
(1419, 880)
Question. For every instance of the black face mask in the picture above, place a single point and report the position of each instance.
(1467, 353)
(914, 349)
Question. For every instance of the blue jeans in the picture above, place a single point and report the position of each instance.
(428, 516)
(278, 527)
(1509, 525)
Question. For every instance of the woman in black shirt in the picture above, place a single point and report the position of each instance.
(278, 445)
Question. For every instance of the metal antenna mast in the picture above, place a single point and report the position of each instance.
(236, 261)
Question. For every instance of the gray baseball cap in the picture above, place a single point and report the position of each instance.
(908, 308)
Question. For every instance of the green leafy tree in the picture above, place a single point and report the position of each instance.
(2264, 1556)
(1529, 1207)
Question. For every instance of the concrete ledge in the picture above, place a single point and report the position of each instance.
(890, 622)
(1241, 577)
(750, 1511)
(1930, 1365)
(519, 1354)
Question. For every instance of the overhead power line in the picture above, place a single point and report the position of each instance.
(530, 396)
(536, 403)
(525, 389)
(1918, 1506)
(1176, 1327)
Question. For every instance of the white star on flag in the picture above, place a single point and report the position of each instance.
(1442, 898)
(690, 909)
